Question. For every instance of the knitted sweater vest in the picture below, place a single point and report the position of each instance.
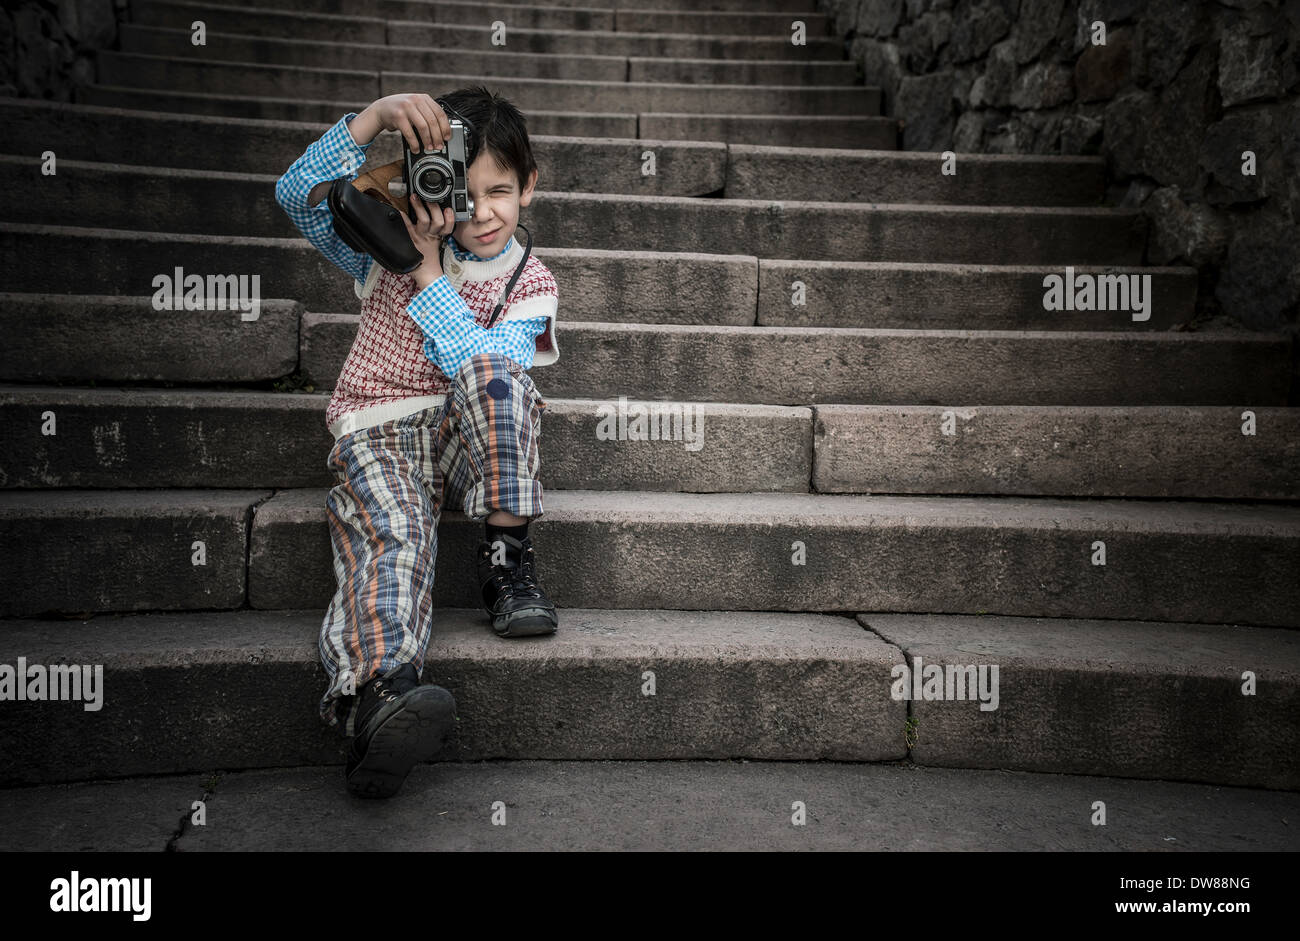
(386, 374)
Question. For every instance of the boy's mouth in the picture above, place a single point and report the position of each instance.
(481, 239)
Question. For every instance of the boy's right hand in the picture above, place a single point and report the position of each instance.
(416, 116)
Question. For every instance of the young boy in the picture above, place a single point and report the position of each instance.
(431, 409)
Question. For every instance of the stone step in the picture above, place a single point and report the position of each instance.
(834, 231)
(949, 368)
(131, 550)
(958, 296)
(595, 285)
(237, 78)
(136, 438)
(825, 100)
(85, 550)
(1172, 452)
(747, 6)
(641, 286)
(77, 337)
(380, 7)
(178, 200)
(303, 21)
(682, 167)
(244, 78)
(653, 806)
(636, 18)
(228, 42)
(229, 46)
(776, 130)
(788, 130)
(864, 176)
(607, 42)
(908, 554)
(200, 142)
(169, 103)
(726, 685)
(1083, 696)
(120, 438)
(762, 19)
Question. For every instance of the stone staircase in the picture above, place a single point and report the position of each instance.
(903, 454)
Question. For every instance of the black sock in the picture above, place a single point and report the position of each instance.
(492, 532)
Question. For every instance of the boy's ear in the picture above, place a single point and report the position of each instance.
(526, 196)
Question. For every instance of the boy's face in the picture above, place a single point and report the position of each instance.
(497, 200)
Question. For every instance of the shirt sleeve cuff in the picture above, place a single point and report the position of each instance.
(435, 297)
(338, 147)
(346, 128)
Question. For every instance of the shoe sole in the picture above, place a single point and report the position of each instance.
(527, 622)
(415, 733)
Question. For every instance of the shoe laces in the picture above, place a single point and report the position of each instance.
(524, 577)
(388, 688)
(521, 578)
(383, 691)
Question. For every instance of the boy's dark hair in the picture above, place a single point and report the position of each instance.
(502, 130)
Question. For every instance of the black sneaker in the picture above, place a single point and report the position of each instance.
(510, 592)
(399, 722)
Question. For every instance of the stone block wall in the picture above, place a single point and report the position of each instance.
(1172, 98)
(46, 45)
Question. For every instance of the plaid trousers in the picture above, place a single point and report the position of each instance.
(476, 452)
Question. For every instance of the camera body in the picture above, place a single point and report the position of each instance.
(441, 177)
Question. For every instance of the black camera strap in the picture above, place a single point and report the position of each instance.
(519, 269)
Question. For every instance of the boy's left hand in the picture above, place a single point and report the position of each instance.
(431, 224)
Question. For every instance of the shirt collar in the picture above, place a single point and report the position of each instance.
(464, 255)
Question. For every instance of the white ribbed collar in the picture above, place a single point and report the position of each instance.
(458, 271)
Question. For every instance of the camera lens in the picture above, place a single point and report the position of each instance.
(432, 180)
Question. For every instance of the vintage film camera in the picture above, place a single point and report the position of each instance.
(440, 177)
